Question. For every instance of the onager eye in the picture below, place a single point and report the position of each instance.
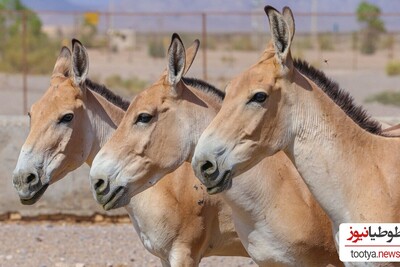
(66, 118)
(144, 118)
(259, 97)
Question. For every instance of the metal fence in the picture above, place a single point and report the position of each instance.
(130, 47)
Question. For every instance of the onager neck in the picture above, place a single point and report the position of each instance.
(343, 165)
(104, 118)
(201, 108)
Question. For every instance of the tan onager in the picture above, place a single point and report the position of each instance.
(284, 104)
(69, 125)
(278, 221)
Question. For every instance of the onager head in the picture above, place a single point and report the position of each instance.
(254, 120)
(151, 139)
(58, 127)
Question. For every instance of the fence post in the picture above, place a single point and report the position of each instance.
(204, 41)
(24, 65)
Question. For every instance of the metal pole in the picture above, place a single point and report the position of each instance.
(314, 28)
(24, 65)
(204, 41)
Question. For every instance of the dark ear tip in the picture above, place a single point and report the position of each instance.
(176, 36)
(65, 51)
(268, 9)
(76, 41)
(197, 42)
(287, 9)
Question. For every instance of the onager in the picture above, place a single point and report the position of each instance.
(69, 125)
(281, 104)
(278, 221)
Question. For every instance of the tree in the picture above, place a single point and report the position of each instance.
(369, 15)
(39, 59)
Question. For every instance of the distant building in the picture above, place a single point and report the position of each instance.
(122, 39)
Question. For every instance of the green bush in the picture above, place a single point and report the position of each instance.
(242, 43)
(393, 68)
(325, 42)
(134, 84)
(156, 49)
(386, 98)
(41, 52)
(369, 15)
(303, 43)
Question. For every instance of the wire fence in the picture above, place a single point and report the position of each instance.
(127, 50)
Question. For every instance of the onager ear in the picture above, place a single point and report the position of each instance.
(176, 60)
(80, 62)
(63, 63)
(281, 35)
(191, 53)
(289, 18)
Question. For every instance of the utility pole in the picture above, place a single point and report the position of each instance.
(314, 28)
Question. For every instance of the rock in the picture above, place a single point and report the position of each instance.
(124, 220)
(15, 216)
(98, 218)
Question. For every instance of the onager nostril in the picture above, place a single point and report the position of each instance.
(30, 178)
(99, 186)
(207, 168)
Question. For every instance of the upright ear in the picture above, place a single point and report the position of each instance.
(176, 60)
(191, 53)
(80, 62)
(63, 63)
(280, 33)
(289, 18)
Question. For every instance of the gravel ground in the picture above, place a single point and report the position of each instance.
(48, 244)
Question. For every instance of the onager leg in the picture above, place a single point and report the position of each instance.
(182, 257)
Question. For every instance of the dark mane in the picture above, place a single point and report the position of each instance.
(107, 94)
(342, 98)
(204, 86)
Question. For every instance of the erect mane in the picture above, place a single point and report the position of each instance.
(204, 86)
(341, 97)
(107, 94)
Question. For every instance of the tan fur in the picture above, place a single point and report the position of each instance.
(139, 153)
(392, 130)
(352, 173)
(178, 228)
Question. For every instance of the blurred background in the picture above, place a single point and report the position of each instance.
(353, 41)
(356, 43)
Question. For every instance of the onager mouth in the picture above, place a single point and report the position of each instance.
(224, 184)
(35, 197)
(113, 201)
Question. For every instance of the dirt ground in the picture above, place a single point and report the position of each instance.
(50, 244)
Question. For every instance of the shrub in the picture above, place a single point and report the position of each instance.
(156, 49)
(243, 43)
(393, 68)
(369, 16)
(325, 42)
(134, 84)
(41, 51)
(386, 98)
